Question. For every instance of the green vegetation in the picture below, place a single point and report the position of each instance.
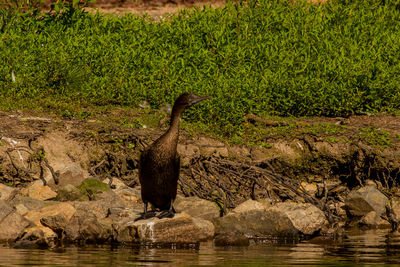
(262, 57)
(91, 187)
(376, 137)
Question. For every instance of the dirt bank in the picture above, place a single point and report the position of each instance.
(326, 153)
(153, 8)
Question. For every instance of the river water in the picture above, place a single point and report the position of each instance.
(364, 248)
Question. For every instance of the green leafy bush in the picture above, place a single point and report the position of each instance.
(267, 57)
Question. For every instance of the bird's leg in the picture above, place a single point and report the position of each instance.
(146, 214)
(168, 213)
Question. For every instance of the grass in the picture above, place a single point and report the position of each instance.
(376, 137)
(262, 57)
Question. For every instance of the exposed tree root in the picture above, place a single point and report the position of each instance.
(229, 183)
(36, 158)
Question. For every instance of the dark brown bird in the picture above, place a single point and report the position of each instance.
(160, 163)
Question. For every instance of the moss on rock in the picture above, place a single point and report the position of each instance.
(92, 186)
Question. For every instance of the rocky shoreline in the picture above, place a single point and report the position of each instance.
(72, 181)
(44, 216)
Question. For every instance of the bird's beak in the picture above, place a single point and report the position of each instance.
(197, 99)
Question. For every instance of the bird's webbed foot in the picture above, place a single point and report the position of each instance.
(146, 215)
(166, 214)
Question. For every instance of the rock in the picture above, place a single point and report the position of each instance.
(84, 226)
(27, 202)
(115, 183)
(42, 192)
(305, 217)
(21, 209)
(396, 207)
(362, 201)
(128, 195)
(258, 154)
(125, 232)
(182, 229)
(37, 237)
(100, 208)
(57, 222)
(118, 213)
(62, 210)
(211, 147)
(373, 220)
(310, 188)
(12, 224)
(221, 152)
(369, 182)
(207, 228)
(255, 223)
(68, 175)
(231, 239)
(71, 193)
(208, 151)
(197, 207)
(92, 187)
(6, 192)
(249, 205)
(239, 152)
(187, 152)
(283, 219)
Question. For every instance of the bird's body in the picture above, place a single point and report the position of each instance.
(159, 173)
(160, 163)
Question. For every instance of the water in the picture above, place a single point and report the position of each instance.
(367, 248)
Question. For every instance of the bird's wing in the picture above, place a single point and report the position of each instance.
(142, 164)
(177, 166)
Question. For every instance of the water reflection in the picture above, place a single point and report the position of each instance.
(367, 248)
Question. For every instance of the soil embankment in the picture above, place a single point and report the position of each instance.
(345, 169)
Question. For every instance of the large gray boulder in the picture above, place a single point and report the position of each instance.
(372, 220)
(396, 208)
(197, 207)
(68, 175)
(85, 226)
(181, 229)
(231, 239)
(364, 200)
(100, 207)
(305, 217)
(37, 237)
(47, 224)
(250, 205)
(37, 191)
(63, 211)
(12, 224)
(71, 193)
(282, 219)
(28, 202)
(129, 196)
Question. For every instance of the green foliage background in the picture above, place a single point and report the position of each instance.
(264, 57)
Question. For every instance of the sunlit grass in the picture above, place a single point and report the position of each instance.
(259, 57)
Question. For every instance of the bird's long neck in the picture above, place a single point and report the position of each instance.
(172, 133)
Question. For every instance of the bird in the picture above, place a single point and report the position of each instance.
(159, 164)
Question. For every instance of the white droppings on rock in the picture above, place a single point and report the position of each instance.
(148, 231)
(151, 237)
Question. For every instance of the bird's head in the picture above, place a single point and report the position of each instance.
(186, 100)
